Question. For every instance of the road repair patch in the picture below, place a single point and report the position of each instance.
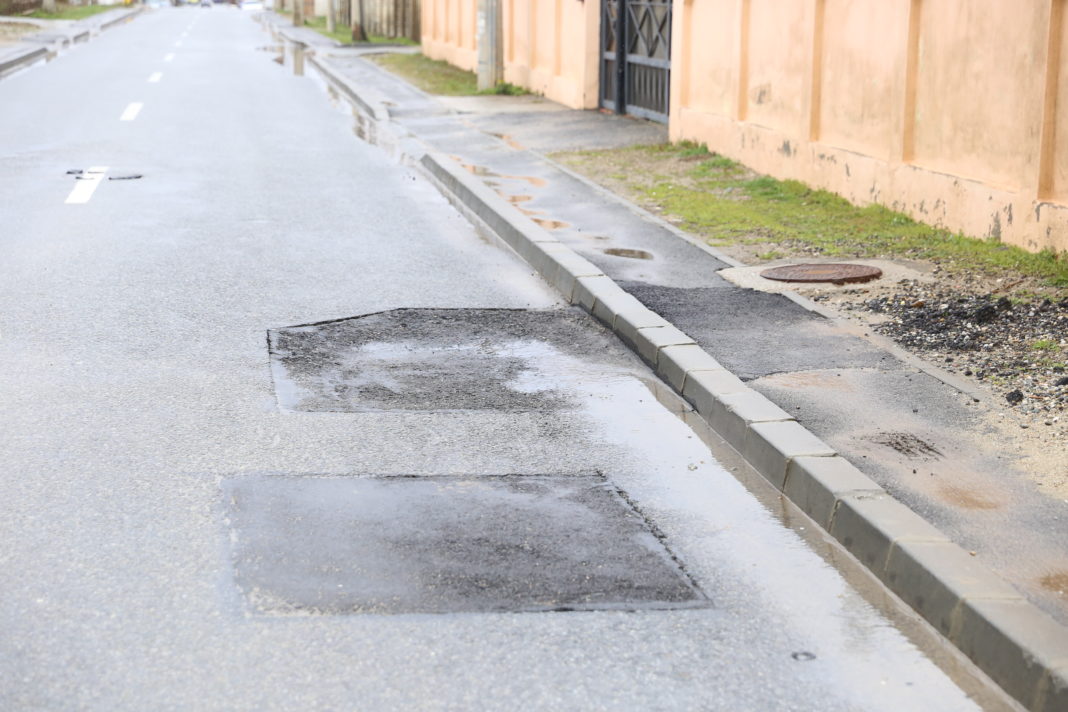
(434, 360)
(344, 545)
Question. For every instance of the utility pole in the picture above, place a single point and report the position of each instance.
(330, 16)
(49, 6)
(298, 13)
(490, 45)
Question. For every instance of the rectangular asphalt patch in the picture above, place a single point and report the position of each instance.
(345, 545)
(435, 360)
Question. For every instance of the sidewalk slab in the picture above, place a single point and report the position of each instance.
(56, 36)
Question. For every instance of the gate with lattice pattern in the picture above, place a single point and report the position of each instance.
(636, 57)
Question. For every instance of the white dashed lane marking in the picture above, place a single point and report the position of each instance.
(85, 184)
(131, 111)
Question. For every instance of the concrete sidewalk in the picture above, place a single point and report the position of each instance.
(55, 36)
(841, 421)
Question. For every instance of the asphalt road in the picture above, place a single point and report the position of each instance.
(221, 490)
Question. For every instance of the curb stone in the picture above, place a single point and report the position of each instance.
(1018, 646)
(23, 59)
(53, 44)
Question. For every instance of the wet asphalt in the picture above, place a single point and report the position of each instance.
(201, 511)
(849, 390)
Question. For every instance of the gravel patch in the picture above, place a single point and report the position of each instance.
(1017, 350)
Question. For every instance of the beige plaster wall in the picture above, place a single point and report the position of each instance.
(551, 47)
(953, 111)
(449, 32)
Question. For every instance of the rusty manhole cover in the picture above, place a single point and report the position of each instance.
(836, 273)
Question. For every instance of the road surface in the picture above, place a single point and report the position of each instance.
(282, 431)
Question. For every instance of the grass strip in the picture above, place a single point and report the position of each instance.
(437, 77)
(72, 12)
(728, 204)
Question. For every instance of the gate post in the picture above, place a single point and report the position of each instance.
(621, 57)
(490, 51)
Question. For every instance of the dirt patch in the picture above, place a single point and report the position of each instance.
(966, 499)
(629, 253)
(551, 224)
(1056, 582)
(908, 445)
(11, 32)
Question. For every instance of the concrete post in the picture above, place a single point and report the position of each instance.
(490, 44)
(331, 16)
(298, 13)
(298, 59)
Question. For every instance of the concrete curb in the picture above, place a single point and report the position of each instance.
(24, 59)
(1019, 647)
(66, 39)
(112, 21)
(365, 99)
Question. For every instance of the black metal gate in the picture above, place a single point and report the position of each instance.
(636, 57)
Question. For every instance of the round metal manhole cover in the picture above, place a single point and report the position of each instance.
(836, 273)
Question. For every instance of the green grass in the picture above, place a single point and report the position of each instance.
(343, 34)
(1044, 345)
(72, 12)
(436, 77)
(727, 203)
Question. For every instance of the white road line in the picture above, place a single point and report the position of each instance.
(86, 184)
(155, 77)
(168, 57)
(131, 111)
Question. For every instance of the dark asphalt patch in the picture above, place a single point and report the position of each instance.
(755, 333)
(433, 360)
(337, 545)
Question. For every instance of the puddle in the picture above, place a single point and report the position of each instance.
(483, 171)
(478, 170)
(513, 199)
(549, 224)
(533, 180)
(627, 252)
(510, 141)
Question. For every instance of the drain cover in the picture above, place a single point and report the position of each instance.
(836, 273)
